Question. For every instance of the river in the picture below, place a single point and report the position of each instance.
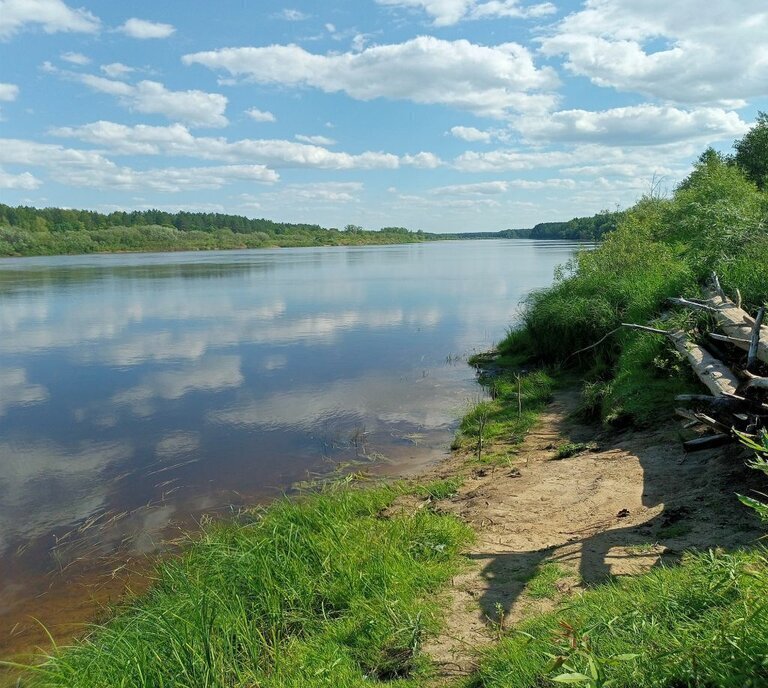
(143, 390)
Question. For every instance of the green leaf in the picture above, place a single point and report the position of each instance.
(572, 678)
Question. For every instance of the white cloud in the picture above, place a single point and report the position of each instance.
(683, 52)
(178, 141)
(423, 160)
(25, 181)
(292, 15)
(169, 179)
(470, 134)
(142, 29)
(335, 192)
(196, 108)
(449, 12)
(91, 169)
(315, 140)
(480, 189)
(8, 92)
(489, 81)
(641, 160)
(116, 70)
(260, 115)
(76, 58)
(52, 15)
(641, 125)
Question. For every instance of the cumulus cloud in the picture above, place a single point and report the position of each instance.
(196, 108)
(479, 189)
(177, 140)
(142, 29)
(8, 92)
(589, 158)
(449, 12)
(52, 16)
(470, 134)
(25, 181)
(116, 70)
(316, 140)
(641, 125)
(75, 58)
(91, 169)
(260, 115)
(486, 80)
(710, 52)
(329, 192)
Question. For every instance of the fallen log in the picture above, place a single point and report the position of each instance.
(741, 329)
(725, 403)
(716, 376)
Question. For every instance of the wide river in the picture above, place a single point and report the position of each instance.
(147, 389)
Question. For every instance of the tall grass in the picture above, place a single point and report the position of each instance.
(716, 220)
(320, 592)
(704, 623)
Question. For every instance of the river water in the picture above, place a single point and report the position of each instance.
(146, 389)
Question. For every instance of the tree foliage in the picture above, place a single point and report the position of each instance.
(751, 152)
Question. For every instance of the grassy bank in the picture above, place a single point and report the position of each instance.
(663, 247)
(705, 621)
(322, 591)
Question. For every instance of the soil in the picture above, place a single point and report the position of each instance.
(633, 501)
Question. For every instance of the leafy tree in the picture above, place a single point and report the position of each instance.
(752, 152)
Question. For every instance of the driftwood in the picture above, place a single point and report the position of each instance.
(737, 396)
(716, 376)
(740, 328)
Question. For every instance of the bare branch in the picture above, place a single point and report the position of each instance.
(754, 344)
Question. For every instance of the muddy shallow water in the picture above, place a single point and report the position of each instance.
(138, 391)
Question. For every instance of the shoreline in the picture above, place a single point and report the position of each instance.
(499, 495)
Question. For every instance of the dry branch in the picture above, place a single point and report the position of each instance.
(754, 343)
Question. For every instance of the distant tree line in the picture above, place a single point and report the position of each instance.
(592, 228)
(27, 231)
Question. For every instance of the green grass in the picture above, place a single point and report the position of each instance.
(569, 449)
(317, 592)
(701, 624)
(543, 584)
(500, 417)
(440, 489)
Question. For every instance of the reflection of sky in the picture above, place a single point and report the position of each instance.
(231, 365)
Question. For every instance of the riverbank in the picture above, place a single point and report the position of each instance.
(424, 582)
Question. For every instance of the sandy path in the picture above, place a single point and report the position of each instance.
(619, 510)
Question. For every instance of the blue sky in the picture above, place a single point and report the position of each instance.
(442, 115)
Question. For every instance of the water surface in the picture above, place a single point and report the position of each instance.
(136, 390)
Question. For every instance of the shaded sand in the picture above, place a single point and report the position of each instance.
(635, 501)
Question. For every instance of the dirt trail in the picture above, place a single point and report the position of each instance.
(634, 501)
